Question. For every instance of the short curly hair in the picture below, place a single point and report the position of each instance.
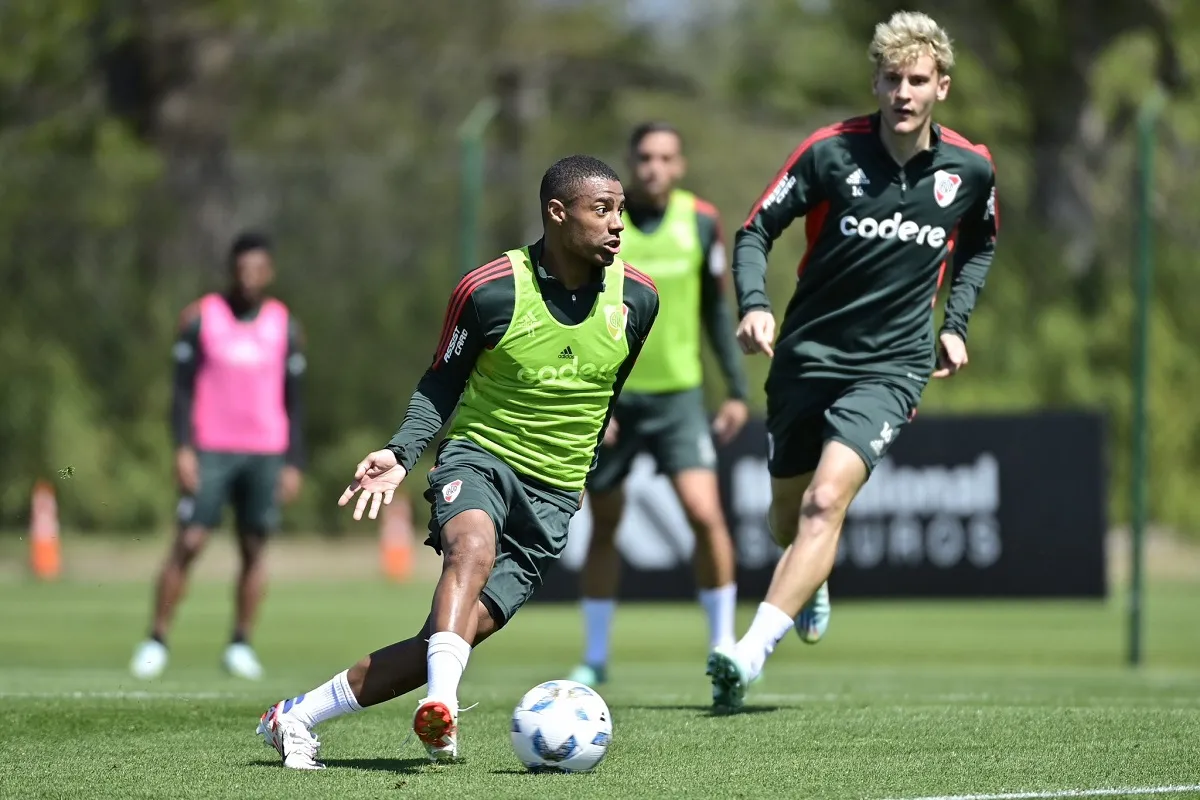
(907, 36)
(561, 181)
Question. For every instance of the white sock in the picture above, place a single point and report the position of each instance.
(597, 625)
(331, 699)
(446, 659)
(719, 604)
(769, 626)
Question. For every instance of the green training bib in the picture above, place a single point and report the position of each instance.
(538, 399)
(672, 256)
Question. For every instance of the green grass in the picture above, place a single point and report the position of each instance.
(903, 699)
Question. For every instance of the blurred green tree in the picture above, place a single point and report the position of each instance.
(136, 138)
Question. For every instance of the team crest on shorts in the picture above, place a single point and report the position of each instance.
(451, 490)
(945, 187)
(616, 317)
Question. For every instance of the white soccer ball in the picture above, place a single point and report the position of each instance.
(561, 726)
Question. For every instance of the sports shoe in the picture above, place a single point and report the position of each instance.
(589, 675)
(730, 678)
(436, 725)
(149, 660)
(295, 743)
(241, 662)
(813, 619)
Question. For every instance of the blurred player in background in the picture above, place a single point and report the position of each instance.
(237, 422)
(534, 351)
(675, 237)
(888, 199)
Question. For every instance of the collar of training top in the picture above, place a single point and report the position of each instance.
(935, 132)
(535, 255)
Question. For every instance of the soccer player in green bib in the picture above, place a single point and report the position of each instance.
(533, 353)
(888, 200)
(675, 237)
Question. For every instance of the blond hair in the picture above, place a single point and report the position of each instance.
(907, 36)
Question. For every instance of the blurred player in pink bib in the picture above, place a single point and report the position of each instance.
(236, 419)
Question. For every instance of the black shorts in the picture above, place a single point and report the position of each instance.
(673, 427)
(865, 415)
(531, 521)
(248, 481)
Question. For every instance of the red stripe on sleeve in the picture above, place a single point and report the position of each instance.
(950, 244)
(956, 139)
(814, 223)
(640, 277)
(707, 209)
(855, 125)
(458, 299)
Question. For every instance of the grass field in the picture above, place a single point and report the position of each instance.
(903, 700)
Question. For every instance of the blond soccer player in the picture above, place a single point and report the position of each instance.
(888, 199)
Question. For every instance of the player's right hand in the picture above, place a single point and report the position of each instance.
(187, 470)
(756, 333)
(378, 475)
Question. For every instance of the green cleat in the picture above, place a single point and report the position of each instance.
(729, 679)
(813, 619)
(589, 675)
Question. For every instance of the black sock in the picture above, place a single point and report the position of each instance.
(155, 637)
(238, 638)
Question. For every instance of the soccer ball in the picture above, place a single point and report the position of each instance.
(561, 726)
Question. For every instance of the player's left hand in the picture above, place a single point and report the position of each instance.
(730, 419)
(952, 355)
(290, 480)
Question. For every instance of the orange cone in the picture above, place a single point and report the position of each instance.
(45, 555)
(396, 538)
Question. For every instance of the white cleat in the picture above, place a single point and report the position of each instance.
(149, 660)
(295, 743)
(436, 725)
(241, 662)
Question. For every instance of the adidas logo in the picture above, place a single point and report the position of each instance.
(858, 178)
(529, 323)
(566, 353)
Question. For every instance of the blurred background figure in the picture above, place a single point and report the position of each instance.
(237, 422)
(675, 238)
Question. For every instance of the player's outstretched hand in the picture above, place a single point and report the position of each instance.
(378, 475)
(756, 333)
(952, 355)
